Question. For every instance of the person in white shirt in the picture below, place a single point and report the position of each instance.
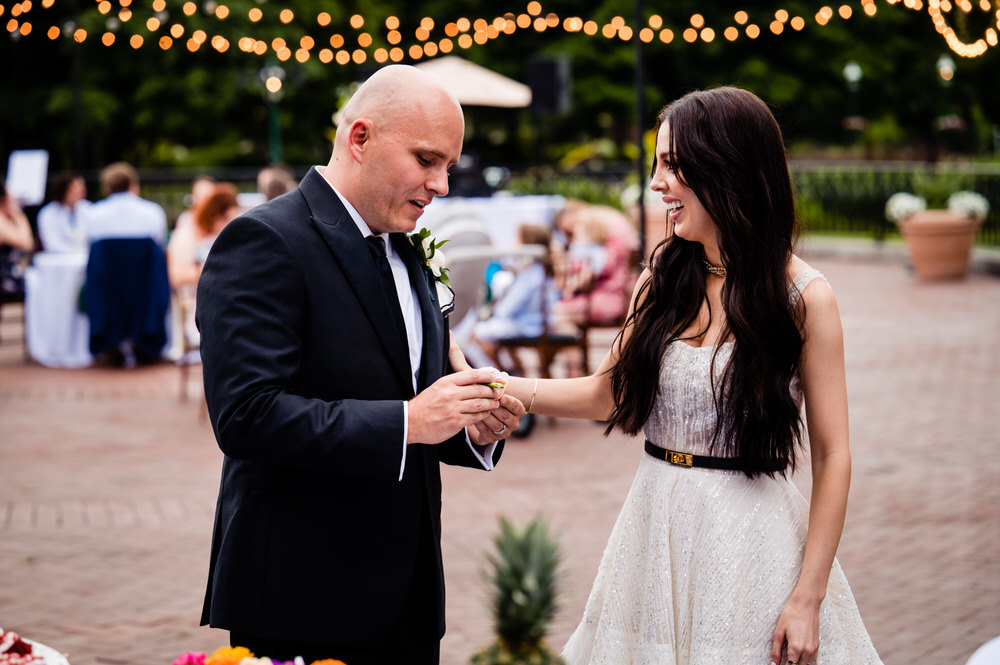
(60, 226)
(123, 214)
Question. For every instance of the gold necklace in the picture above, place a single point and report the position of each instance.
(714, 269)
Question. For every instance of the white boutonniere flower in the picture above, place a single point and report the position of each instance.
(435, 266)
(430, 254)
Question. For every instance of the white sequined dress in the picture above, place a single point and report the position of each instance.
(700, 562)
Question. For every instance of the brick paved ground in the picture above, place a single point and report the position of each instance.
(107, 487)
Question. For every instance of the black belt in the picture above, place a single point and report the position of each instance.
(687, 459)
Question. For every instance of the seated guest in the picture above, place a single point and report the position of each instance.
(123, 214)
(189, 246)
(127, 292)
(201, 187)
(60, 226)
(595, 291)
(16, 243)
(523, 309)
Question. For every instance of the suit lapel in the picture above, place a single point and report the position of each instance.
(341, 235)
(432, 355)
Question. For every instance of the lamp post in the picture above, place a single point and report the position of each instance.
(948, 120)
(852, 75)
(272, 77)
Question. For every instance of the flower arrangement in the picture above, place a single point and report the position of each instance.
(940, 240)
(903, 204)
(430, 254)
(242, 656)
(969, 204)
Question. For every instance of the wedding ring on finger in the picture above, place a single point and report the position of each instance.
(503, 428)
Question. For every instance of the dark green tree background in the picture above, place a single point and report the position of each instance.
(90, 104)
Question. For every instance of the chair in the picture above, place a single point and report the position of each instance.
(127, 295)
(17, 320)
(183, 303)
(469, 251)
(12, 293)
(548, 343)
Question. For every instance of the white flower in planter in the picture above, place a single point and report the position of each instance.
(969, 204)
(903, 204)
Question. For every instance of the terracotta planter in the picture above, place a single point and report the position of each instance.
(939, 242)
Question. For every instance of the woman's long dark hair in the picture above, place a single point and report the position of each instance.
(728, 149)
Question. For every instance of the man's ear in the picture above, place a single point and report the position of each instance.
(358, 137)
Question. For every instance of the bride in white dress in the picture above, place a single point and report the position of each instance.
(716, 558)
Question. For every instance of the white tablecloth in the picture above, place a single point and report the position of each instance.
(58, 333)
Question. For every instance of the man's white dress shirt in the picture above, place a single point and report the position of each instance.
(409, 304)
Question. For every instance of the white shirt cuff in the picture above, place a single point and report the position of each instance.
(486, 459)
(406, 422)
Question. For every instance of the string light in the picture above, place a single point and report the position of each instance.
(463, 32)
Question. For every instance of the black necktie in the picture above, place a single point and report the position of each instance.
(377, 247)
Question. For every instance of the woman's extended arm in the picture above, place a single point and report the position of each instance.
(825, 389)
(587, 397)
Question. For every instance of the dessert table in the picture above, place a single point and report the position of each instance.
(58, 332)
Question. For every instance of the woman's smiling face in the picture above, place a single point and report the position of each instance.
(685, 212)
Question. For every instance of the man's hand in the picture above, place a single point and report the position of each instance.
(499, 424)
(452, 403)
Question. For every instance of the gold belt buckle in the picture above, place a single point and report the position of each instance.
(680, 459)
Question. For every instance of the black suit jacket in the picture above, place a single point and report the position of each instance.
(316, 539)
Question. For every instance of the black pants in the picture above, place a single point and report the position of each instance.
(415, 641)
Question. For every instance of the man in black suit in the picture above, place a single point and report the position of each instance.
(325, 366)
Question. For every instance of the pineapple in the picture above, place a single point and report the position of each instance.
(524, 596)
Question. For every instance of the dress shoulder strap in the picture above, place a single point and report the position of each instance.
(801, 281)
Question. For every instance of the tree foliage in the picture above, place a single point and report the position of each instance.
(90, 104)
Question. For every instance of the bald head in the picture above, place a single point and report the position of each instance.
(398, 136)
(396, 91)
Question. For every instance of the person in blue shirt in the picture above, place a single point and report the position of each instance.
(523, 309)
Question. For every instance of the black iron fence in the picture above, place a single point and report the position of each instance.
(850, 199)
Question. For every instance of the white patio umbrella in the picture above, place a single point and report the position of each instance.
(474, 85)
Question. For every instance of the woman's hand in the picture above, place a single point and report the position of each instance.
(455, 355)
(797, 634)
